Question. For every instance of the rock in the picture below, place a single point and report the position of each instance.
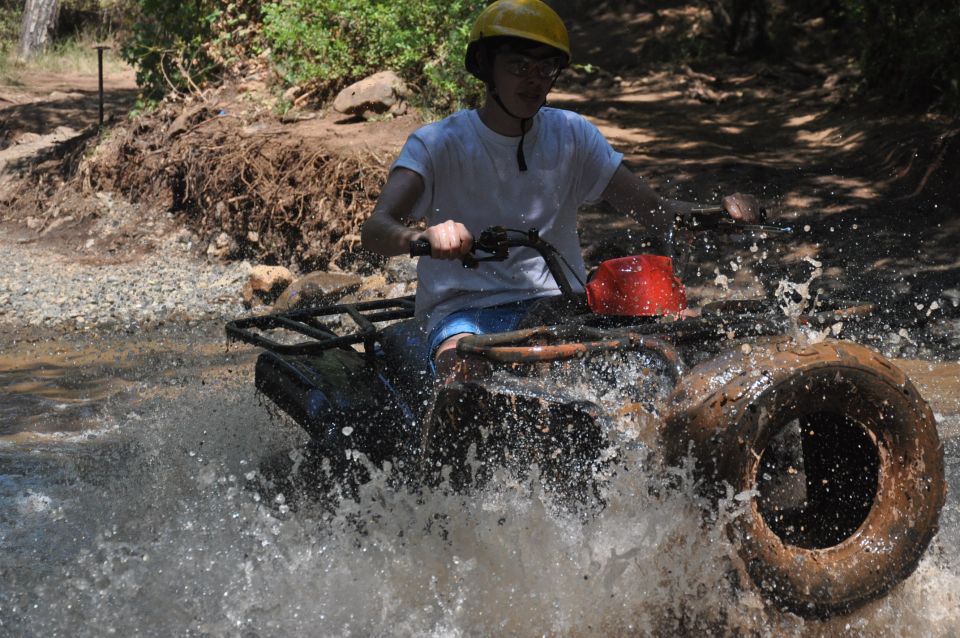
(377, 287)
(185, 236)
(399, 289)
(291, 117)
(401, 269)
(60, 95)
(221, 247)
(265, 284)
(27, 138)
(316, 288)
(253, 129)
(189, 117)
(379, 93)
(374, 283)
(265, 278)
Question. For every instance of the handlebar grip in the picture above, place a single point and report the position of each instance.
(712, 216)
(420, 248)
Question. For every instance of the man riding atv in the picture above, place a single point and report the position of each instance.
(829, 447)
(512, 162)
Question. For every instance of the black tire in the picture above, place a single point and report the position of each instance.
(873, 479)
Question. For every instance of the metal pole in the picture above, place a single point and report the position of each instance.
(100, 77)
(100, 48)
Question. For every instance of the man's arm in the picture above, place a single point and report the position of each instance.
(632, 196)
(385, 231)
(387, 234)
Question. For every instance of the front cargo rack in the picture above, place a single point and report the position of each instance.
(365, 314)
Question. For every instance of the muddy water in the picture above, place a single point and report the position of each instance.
(129, 505)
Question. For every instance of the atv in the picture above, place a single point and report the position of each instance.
(837, 452)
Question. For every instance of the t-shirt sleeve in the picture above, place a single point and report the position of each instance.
(415, 156)
(598, 161)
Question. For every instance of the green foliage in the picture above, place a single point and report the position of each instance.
(10, 15)
(169, 44)
(909, 48)
(236, 27)
(330, 43)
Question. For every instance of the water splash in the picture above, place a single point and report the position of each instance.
(165, 529)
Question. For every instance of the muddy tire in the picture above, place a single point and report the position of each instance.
(842, 455)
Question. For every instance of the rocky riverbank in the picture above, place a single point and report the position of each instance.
(40, 288)
(171, 281)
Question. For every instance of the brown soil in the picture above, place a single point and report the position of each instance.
(870, 192)
(39, 102)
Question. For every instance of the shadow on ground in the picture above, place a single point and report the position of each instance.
(870, 191)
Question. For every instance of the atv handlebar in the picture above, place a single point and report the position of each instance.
(713, 218)
(496, 242)
(420, 248)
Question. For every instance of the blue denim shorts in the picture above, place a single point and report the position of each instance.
(478, 321)
(417, 348)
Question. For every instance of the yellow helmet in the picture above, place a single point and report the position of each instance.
(525, 19)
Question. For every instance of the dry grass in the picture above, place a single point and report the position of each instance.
(74, 55)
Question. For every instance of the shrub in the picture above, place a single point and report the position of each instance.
(330, 43)
(10, 15)
(168, 44)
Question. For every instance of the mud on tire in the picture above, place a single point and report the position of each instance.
(843, 456)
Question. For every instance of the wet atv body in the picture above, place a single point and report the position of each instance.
(838, 451)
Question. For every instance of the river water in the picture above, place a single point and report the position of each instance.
(132, 502)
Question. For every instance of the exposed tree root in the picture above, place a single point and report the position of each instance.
(280, 200)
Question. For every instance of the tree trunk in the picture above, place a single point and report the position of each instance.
(36, 32)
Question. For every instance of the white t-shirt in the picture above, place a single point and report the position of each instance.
(470, 175)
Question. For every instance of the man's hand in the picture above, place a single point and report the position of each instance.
(448, 240)
(743, 208)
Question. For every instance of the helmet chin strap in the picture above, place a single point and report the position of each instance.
(521, 160)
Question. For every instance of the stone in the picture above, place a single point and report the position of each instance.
(401, 268)
(185, 237)
(376, 94)
(60, 95)
(221, 247)
(264, 278)
(188, 117)
(375, 282)
(264, 285)
(315, 289)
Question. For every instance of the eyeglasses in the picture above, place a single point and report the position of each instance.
(524, 67)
